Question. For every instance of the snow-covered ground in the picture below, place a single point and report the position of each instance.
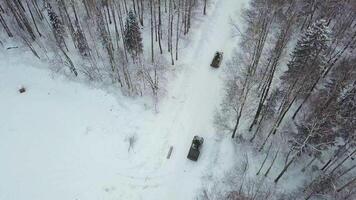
(64, 140)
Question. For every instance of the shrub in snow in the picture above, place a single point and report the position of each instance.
(22, 89)
(132, 140)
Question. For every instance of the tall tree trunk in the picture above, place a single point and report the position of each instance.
(178, 30)
(160, 27)
(3, 23)
(281, 43)
(310, 162)
(346, 171)
(347, 184)
(264, 161)
(270, 167)
(284, 169)
(33, 19)
(71, 64)
(204, 10)
(152, 47)
(343, 161)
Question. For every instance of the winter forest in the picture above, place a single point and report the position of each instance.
(101, 99)
(102, 40)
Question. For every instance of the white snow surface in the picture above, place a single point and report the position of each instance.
(64, 140)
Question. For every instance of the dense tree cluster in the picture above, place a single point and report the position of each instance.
(292, 84)
(96, 38)
(133, 39)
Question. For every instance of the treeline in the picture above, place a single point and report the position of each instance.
(292, 86)
(102, 40)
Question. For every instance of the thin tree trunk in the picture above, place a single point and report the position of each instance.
(343, 161)
(171, 30)
(117, 35)
(258, 128)
(33, 19)
(120, 16)
(71, 65)
(306, 98)
(277, 123)
(204, 11)
(281, 43)
(310, 162)
(270, 167)
(159, 27)
(30, 47)
(134, 7)
(152, 47)
(347, 184)
(38, 11)
(125, 6)
(284, 169)
(177, 35)
(245, 92)
(335, 158)
(264, 161)
(346, 171)
(3, 23)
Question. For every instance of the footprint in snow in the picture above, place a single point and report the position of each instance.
(109, 189)
(87, 130)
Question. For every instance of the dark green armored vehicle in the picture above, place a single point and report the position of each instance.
(194, 150)
(217, 59)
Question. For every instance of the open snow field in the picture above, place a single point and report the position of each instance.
(63, 140)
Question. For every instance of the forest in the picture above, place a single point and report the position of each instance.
(291, 93)
(102, 40)
(287, 110)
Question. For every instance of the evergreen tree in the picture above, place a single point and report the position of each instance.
(132, 36)
(332, 110)
(308, 57)
(57, 26)
(81, 41)
(346, 116)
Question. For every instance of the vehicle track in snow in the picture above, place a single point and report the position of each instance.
(187, 110)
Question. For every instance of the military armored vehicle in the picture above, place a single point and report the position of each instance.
(217, 60)
(194, 150)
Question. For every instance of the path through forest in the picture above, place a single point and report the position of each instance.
(188, 110)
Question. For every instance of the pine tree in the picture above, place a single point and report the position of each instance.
(346, 117)
(308, 57)
(57, 26)
(332, 108)
(81, 41)
(132, 36)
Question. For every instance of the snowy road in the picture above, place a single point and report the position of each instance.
(64, 141)
(188, 110)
